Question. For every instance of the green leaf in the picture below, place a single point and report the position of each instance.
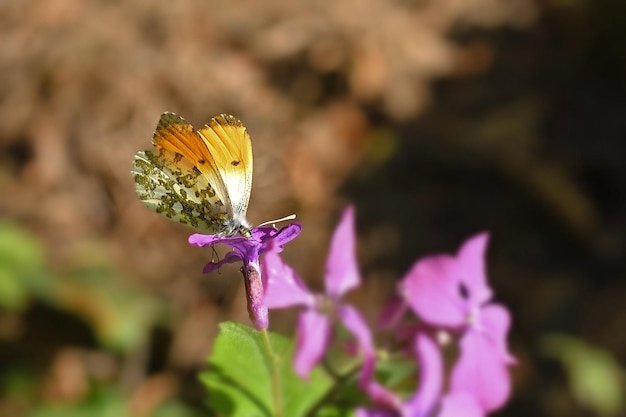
(21, 267)
(239, 378)
(101, 403)
(398, 374)
(106, 401)
(174, 409)
(594, 374)
(121, 315)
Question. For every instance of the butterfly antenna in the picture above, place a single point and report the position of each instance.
(282, 219)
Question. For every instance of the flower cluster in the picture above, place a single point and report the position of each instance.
(443, 303)
(451, 297)
(248, 250)
(321, 311)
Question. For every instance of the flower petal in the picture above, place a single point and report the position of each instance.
(312, 341)
(283, 287)
(198, 239)
(245, 249)
(431, 377)
(481, 371)
(235, 242)
(263, 238)
(378, 394)
(264, 232)
(356, 325)
(342, 272)
(471, 264)
(272, 238)
(460, 405)
(393, 311)
(288, 233)
(495, 321)
(229, 258)
(381, 396)
(432, 291)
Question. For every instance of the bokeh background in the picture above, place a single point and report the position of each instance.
(437, 119)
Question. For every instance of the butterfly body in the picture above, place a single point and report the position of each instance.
(199, 178)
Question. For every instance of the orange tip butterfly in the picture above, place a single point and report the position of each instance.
(199, 178)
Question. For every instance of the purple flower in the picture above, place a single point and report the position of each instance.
(285, 289)
(452, 292)
(427, 400)
(248, 251)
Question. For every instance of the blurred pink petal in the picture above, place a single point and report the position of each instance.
(460, 405)
(229, 258)
(471, 268)
(342, 272)
(481, 372)
(383, 398)
(354, 322)
(428, 393)
(393, 311)
(495, 321)
(430, 365)
(431, 289)
(312, 341)
(283, 287)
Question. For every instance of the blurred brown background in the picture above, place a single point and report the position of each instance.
(437, 119)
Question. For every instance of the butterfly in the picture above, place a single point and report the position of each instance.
(199, 178)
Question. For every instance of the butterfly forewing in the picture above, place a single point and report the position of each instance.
(174, 134)
(229, 144)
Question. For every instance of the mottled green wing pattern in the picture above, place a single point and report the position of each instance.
(172, 186)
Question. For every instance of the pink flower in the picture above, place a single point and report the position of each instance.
(248, 250)
(285, 288)
(427, 400)
(452, 292)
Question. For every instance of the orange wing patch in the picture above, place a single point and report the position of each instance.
(173, 133)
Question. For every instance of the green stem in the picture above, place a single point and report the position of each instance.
(274, 369)
(341, 381)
